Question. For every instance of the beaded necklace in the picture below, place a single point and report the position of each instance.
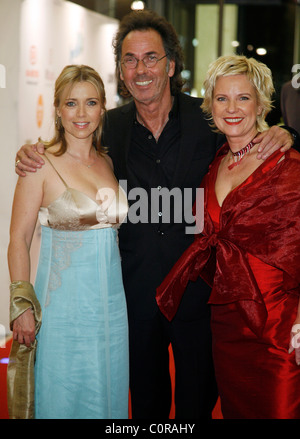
(239, 155)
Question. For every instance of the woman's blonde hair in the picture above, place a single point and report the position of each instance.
(70, 76)
(258, 74)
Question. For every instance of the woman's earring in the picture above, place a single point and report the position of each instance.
(58, 122)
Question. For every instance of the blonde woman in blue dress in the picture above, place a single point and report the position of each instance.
(81, 368)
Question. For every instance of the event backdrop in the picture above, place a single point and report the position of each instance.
(55, 33)
(37, 39)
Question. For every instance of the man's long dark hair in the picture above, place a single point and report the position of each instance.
(148, 20)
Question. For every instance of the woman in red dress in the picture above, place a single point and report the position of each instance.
(249, 251)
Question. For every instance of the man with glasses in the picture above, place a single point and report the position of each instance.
(160, 140)
(150, 61)
(154, 144)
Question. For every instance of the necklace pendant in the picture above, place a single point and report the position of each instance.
(234, 164)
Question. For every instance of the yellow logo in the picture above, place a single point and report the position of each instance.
(40, 111)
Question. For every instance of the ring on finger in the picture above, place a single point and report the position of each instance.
(16, 164)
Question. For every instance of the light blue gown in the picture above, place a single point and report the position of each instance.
(81, 369)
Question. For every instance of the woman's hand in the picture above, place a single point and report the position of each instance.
(24, 328)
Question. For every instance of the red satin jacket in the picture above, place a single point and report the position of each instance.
(261, 217)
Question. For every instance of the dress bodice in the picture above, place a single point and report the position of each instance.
(74, 210)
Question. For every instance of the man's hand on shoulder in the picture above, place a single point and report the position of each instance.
(27, 159)
(273, 139)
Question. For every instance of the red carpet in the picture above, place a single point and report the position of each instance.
(4, 352)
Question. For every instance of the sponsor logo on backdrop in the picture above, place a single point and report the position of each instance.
(77, 48)
(49, 72)
(32, 73)
(32, 55)
(40, 111)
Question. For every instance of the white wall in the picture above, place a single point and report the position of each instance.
(37, 39)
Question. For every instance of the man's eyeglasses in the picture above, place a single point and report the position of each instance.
(130, 62)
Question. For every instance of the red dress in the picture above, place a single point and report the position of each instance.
(249, 251)
(257, 377)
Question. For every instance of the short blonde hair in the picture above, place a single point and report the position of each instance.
(258, 74)
(70, 76)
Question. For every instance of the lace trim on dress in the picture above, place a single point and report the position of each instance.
(63, 244)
